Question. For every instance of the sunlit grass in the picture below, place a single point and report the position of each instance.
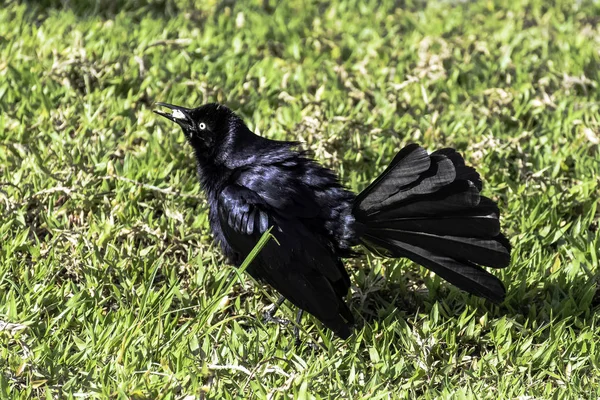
(110, 285)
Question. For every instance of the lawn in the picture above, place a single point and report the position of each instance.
(110, 285)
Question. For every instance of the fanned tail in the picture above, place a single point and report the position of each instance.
(427, 207)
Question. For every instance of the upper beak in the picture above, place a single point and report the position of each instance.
(179, 114)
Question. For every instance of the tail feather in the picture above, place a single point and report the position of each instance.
(439, 174)
(428, 208)
(463, 274)
(488, 252)
(453, 198)
(477, 226)
(481, 221)
(405, 168)
(462, 171)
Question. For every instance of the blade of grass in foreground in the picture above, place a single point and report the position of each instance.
(226, 285)
(203, 318)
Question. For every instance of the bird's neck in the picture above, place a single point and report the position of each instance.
(214, 164)
(213, 177)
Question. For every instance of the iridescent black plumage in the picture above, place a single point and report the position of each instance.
(423, 207)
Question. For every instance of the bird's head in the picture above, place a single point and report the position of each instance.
(205, 127)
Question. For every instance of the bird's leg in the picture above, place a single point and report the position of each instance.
(269, 316)
(297, 342)
(297, 326)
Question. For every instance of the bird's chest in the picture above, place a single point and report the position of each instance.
(219, 235)
(213, 179)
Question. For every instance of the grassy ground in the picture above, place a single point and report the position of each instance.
(110, 285)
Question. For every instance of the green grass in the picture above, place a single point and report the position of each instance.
(110, 285)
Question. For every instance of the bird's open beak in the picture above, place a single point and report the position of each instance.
(178, 114)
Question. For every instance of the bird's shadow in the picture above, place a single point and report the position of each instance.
(104, 9)
(377, 298)
(137, 9)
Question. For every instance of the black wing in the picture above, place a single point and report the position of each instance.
(297, 264)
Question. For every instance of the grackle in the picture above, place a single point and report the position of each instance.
(425, 207)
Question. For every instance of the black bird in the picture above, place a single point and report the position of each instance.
(425, 207)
